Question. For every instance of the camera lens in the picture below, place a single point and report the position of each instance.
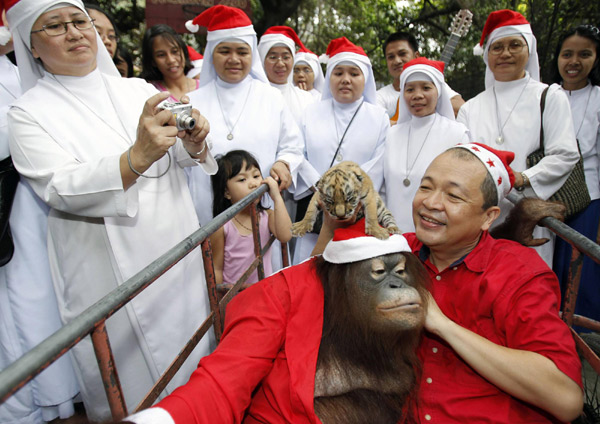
(186, 122)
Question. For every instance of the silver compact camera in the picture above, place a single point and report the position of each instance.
(182, 114)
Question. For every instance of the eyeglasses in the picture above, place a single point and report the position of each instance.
(55, 29)
(307, 70)
(112, 37)
(513, 47)
(274, 58)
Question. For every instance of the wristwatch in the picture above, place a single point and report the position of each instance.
(525, 182)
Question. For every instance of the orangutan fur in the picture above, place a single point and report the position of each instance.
(367, 365)
(518, 225)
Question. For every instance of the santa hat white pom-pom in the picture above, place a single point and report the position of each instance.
(478, 50)
(191, 26)
(324, 58)
(5, 36)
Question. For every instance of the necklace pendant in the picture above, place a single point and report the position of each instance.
(229, 136)
(499, 140)
(339, 157)
(406, 182)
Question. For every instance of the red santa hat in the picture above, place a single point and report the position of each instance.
(196, 59)
(218, 18)
(499, 19)
(5, 34)
(352, 244)
(343, 50)
(496, 163)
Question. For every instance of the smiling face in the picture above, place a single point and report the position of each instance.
(168, 58)
(508, 66)
(278, 64)
(232, 61)
(397, 53)
(420, 97)
(105, 30)
(72, 53)
(448, 206)
(346, 83)
(577, 58)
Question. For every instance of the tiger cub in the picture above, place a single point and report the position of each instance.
(346, 192)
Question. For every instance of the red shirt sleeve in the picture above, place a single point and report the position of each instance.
(220, 390)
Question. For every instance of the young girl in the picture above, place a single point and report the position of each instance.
(233, 244)
(577, 69)
(426, 127)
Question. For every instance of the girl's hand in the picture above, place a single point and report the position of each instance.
(273, 187)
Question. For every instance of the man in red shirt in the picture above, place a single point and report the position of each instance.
(495, 349)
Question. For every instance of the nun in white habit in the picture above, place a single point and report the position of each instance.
(347, 124)
(305, 57)
(117, 194)
(244, 111)
(506, 116)
(276, 49)
(426, 127)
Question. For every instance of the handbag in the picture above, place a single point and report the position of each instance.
(574, 193)
(9, 178)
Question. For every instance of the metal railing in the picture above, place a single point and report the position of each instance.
(92, 320)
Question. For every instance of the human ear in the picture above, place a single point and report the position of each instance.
(490, 215)
(227, 195)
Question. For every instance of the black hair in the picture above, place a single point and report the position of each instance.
(230, 165)
(149, 70)
(122, 54)
(93, 6)
(587, 31)
(402, 36)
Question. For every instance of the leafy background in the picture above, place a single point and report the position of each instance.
(367, 23)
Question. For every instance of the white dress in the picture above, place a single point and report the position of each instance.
(410, 160)
(520, 122)
(297, 100)
(99, 235)
(259, 122)
(323, 125)
(28, 307)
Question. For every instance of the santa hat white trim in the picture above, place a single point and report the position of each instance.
(365, 247)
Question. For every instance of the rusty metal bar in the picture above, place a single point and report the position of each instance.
(16, 375)
(586, 352)
(172, 369)
(108, 371)
(585, 322)
(257, 246)
(211, 285)
(572, 288)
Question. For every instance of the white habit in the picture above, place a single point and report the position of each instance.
(323, 126)
(66, 139)
(409, 160)
(256, 115)
(297, 100)
(518, 120)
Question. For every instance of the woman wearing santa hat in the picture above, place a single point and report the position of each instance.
(308, 74)
(426, 127)
(244, 111)
(507, 114)
(116, 190)
(347, 124)
(276, 49)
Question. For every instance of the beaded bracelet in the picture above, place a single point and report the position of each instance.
(139, 174)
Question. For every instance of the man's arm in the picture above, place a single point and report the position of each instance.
(526, 375)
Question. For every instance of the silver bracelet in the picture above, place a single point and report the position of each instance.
(197, 153)
(142, 175)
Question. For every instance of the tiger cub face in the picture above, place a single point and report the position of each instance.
(341, 192)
